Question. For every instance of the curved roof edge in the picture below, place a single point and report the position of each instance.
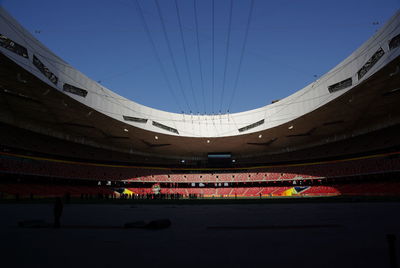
(369, 58)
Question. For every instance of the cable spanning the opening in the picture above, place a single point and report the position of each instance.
(171, 53)
(199, 53)
(213, 55)
(227, 53)
(186, 57)
(242, 53)
(146, 27)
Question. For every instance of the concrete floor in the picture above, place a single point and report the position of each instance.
(287, 235)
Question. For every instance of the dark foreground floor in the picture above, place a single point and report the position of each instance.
(247, 235)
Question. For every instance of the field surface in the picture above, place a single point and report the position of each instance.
(202, 235)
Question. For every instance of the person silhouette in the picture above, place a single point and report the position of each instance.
(58, 208)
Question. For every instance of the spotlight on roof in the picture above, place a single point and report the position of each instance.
(291, 127)
(260, 136)
(126, 130)
(183, 161)
(208, 141)
(233, 161)
(156, 137)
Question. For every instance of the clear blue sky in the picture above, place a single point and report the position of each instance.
(288, 44)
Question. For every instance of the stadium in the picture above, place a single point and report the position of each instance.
(66, 135)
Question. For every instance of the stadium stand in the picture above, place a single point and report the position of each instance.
(24, 190)
(28, 165)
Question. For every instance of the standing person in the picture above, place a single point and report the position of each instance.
(58, 208)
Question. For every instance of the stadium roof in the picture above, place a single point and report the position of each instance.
(42, 92)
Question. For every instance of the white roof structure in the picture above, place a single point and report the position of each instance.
(333, 84)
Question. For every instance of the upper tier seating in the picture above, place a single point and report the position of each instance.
(76, 170)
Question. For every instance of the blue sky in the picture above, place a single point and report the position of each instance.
(288, 44)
